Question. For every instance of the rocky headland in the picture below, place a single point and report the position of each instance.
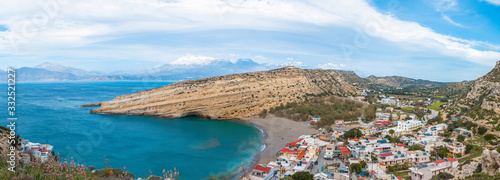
(236, 96)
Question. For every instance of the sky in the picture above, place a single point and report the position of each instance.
(440, 40)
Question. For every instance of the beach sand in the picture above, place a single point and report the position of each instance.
(278, 132)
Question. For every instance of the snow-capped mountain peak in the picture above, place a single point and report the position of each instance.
(194, 60)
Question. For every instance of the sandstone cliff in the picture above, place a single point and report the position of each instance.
(236, 96)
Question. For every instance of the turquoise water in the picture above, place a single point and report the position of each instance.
(197, 148)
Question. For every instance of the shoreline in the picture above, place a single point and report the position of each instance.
(277, 132)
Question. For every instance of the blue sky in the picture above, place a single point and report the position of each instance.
(442, 40)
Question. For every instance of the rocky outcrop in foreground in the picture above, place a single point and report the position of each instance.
(236, 96)
(491, 162)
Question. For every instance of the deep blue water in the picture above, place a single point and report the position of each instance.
(198, 148)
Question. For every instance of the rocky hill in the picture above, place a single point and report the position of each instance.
(403, 82)
(236, 96)
(388, 82)
(452, 88)
(484, 92)
(481, 102)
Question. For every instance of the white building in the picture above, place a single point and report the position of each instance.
(426, 171)
(408, 126)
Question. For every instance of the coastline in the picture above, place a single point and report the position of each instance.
(277, 132)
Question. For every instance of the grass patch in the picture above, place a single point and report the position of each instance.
(436, 106)
(402, 174)
(407, 108)
(476, 154)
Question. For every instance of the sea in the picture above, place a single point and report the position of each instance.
(50, 112)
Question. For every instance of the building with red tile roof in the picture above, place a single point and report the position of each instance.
(261, 168)
(386, 154)
(439, 161)
(451, 159)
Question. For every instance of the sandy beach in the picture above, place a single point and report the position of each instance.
(278, 132)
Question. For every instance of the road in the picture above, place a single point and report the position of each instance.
(321, 161)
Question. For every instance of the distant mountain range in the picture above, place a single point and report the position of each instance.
(69, 70)
(199, 67)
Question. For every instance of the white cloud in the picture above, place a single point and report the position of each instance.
(445, 5)
(194, 60)
(494, 2)
(294, 63)
(332, 66)
(448, 19)
(81, 23)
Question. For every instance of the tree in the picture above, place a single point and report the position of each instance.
(362, 164)
(263, 114)
(460, 138)
(468, 148)
(443, 176)
(481, 130)
(420, 113)
(395, 140)
(356, 167)
(442, 152)
(391, 131)
(370, 112)
(353, 133)
(488, 137)
(416, 147)
(303, 175)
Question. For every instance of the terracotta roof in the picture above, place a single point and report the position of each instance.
(382, 164)
(346, 152)
(262, 168)
(439, 161)
(292, 152)
(401, 145)
(301, 155)
(285, 150)
(339, 120)
(355, 139)
(451, 159)
(295, 143)
(385, 154)
(44, 150)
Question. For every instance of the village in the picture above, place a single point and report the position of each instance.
(30, 151)
(395, 145)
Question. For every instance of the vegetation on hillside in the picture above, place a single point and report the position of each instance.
(328, 109)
